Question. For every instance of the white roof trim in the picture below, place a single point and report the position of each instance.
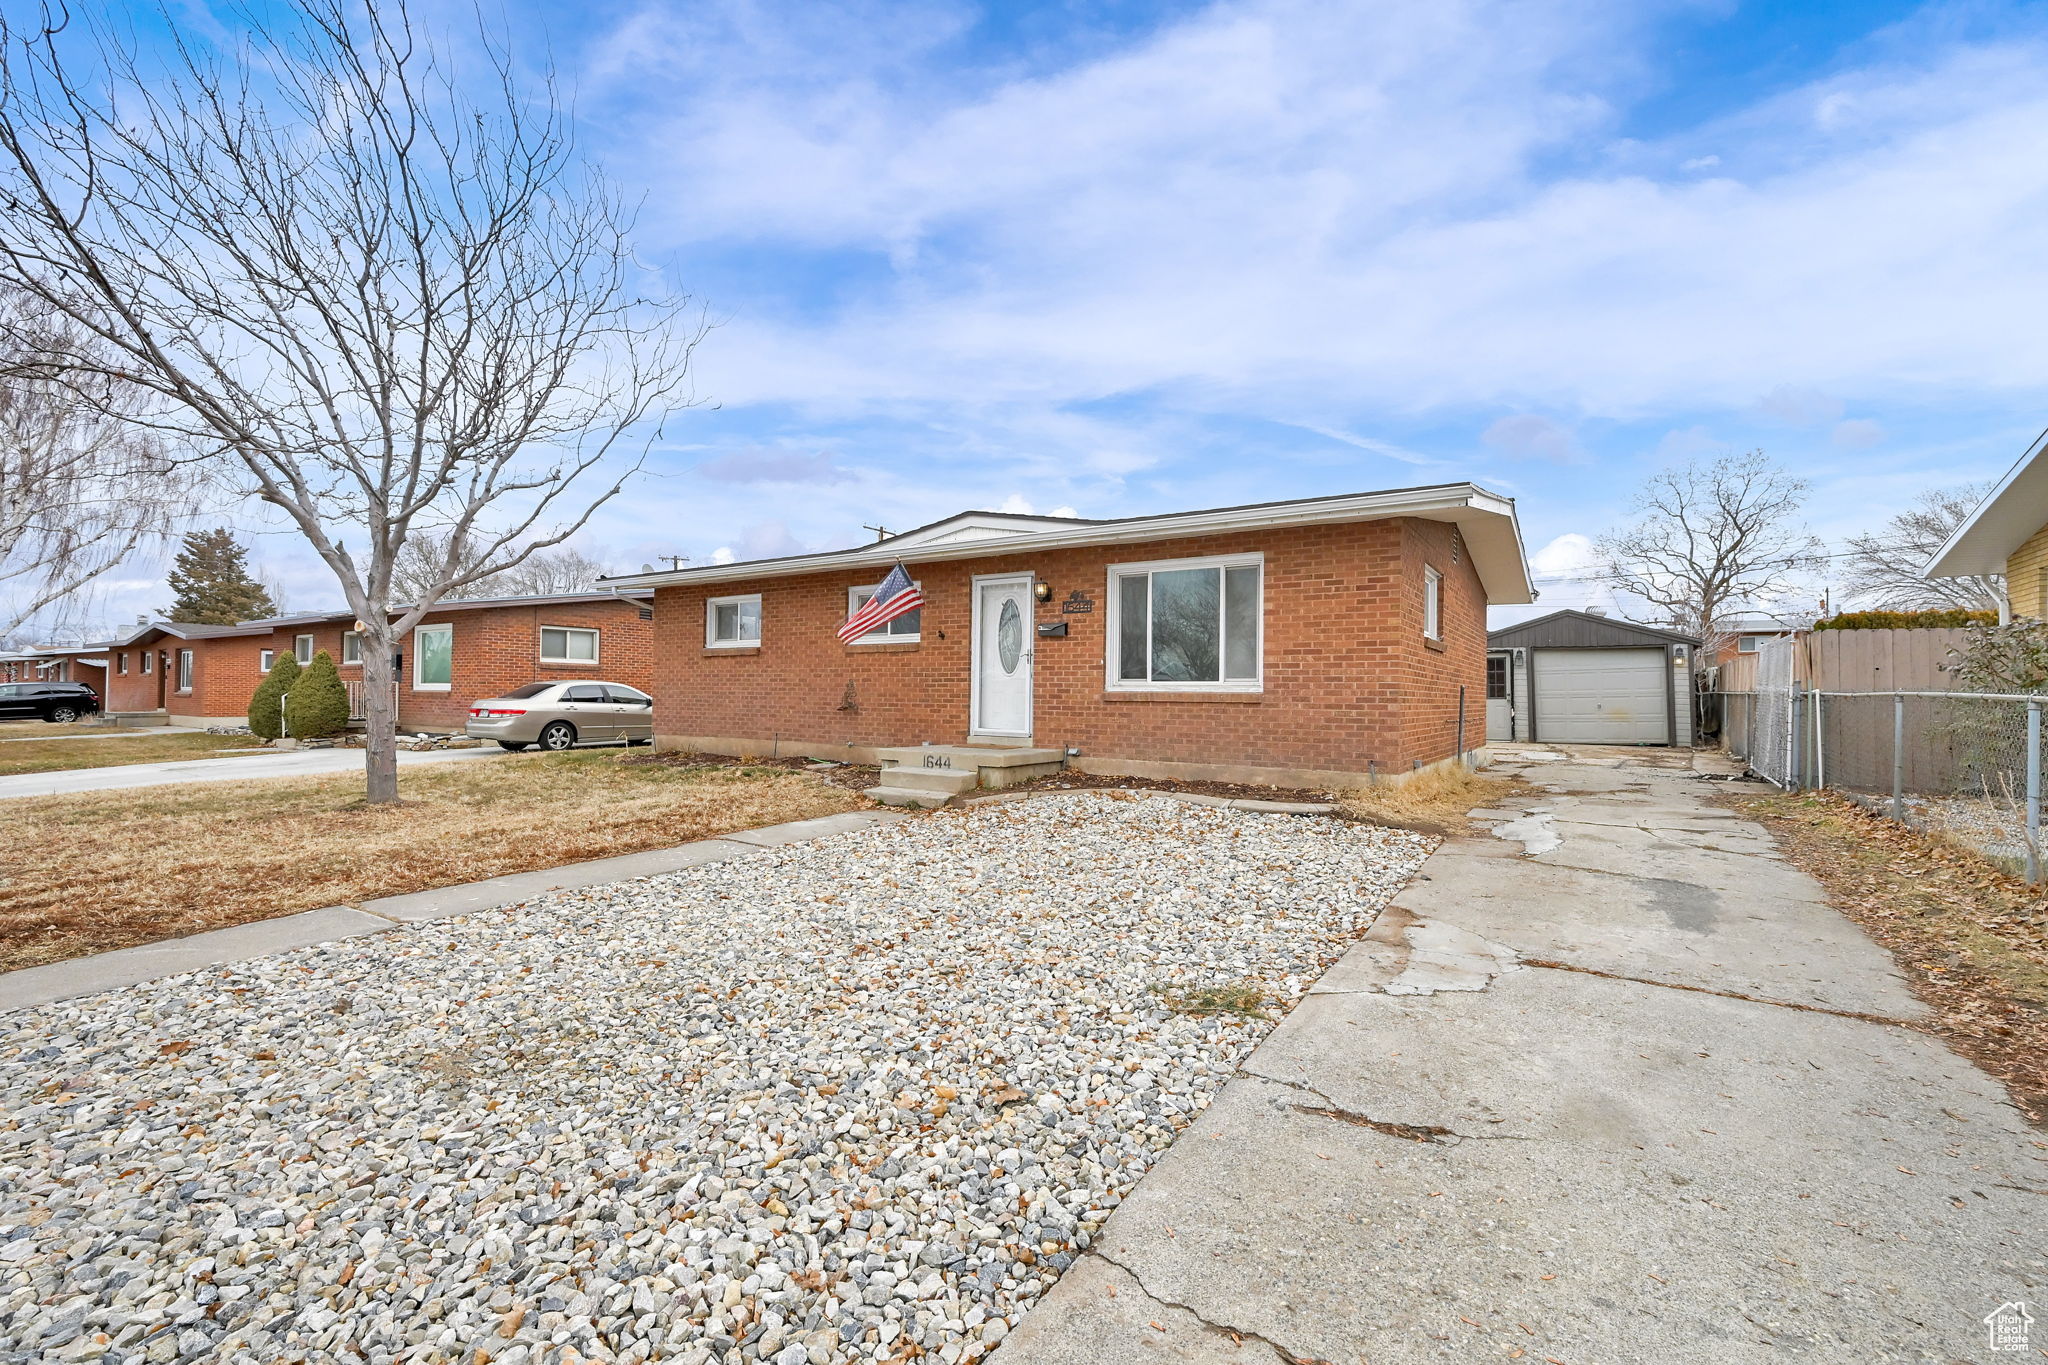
(2002, 523)
(1492, 536)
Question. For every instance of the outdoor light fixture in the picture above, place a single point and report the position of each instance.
(1042, 590)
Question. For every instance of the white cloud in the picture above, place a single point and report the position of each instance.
(1015, 505)
(1530, 436)
(1858, 433)
(1570, 553)
(723, 555)
(1270, 201)
(1799, 407)
(1700, 163)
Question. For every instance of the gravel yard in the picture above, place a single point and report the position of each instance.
(860, 1099)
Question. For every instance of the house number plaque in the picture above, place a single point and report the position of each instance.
(1078, 603)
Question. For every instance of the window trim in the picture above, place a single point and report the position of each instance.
(1748, 644)
(1113, 627)
(882, 636)
(443, 627)
(122, 660)
(1432, 603)
(149, 661)
(186, 670)
(303, 645)
(265, 658)
(596, 646)
(711, 606)
(351, 637)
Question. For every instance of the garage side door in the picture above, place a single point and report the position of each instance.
(1601, 696)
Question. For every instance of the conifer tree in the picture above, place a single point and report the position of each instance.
(266, 710)
(318, 704)
(212, 580)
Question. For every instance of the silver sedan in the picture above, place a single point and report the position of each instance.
(561, 715)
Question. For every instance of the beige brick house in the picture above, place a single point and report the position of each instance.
(2007, 534)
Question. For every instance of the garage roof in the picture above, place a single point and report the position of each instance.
(1581, 630)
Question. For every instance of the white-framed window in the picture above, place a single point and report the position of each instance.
(149, 661)
(121, 662)
(302, 649)
(433, 658)
(732, 622)
(264, 659)
(1432, 603)
(567, 645)
(1746, 644)
(184, 670)
(1193, 625)
(905, 629)
(351, 647)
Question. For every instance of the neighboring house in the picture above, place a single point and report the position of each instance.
(1740, 636)
(461, 652)
(1576, 677)
(1308, 642)
(2007, 534)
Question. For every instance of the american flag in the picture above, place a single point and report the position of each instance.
(895, 596)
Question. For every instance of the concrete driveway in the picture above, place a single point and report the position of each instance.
(236, 768)
(1618, 1086)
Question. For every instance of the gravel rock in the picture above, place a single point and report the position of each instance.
(824, 1103)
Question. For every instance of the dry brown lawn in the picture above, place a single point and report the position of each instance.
(86, 873)
(58, 754)
(1434, 802)
(1971, 938)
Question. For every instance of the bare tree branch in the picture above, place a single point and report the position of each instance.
(1712, 537)
(389, 307)
(1886, 567)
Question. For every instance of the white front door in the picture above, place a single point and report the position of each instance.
(1003, 640)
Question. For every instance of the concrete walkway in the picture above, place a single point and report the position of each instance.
(1618, 1086)
(238, 768)
(242, 942)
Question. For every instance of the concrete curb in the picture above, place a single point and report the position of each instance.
(57, 981)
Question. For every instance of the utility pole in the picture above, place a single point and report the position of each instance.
(675, 562)
(881, 532)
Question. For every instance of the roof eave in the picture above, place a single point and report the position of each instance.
(1503, 567)
(2010, 514)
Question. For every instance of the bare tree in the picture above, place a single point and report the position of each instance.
(81, 488)
(1886, 567)
(563, 569)
(387, 306)
(1712, 537)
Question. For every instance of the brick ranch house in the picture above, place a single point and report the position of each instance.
(1310, 642)
(461, 652)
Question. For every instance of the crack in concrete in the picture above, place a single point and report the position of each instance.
(1412, 1132)
(1859, 1015)
(1237, 1334)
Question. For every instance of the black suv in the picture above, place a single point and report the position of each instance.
(61, 702)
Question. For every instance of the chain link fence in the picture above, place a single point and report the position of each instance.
(1963, 764)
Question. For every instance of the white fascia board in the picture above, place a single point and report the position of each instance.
(1487, 519)
(2002, 523)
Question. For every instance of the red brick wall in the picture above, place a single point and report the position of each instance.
(496, 649)
(1350, 684)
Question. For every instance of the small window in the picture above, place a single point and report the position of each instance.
(567, 645)
(352, 647)
(732, 622)
(433, 658)
(302, 649)
(184, 670)
(1746, 644)
(1496, 677)
(1432, 603)
(121, 663)
(265, 659)
(148, 661)
(1187, 624)
(905, 629)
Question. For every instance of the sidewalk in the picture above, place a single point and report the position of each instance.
(1639, 1096)
(238, 768)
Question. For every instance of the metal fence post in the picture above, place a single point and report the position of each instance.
(1795, 776)
(2033, 791)
(1899, 757)
(1820, 740)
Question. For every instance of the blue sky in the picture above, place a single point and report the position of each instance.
(1125, 258)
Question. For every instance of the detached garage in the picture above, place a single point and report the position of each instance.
(1574, 677)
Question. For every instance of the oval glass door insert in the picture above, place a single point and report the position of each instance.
(1009, 635)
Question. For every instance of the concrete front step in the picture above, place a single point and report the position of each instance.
(943, 781)
(916, 798)
(989, 766)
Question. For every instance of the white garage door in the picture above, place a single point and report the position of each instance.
(1602, 696)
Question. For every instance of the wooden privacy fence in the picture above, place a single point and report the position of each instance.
(1881, 660)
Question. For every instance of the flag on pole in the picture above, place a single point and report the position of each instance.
(893, 598)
